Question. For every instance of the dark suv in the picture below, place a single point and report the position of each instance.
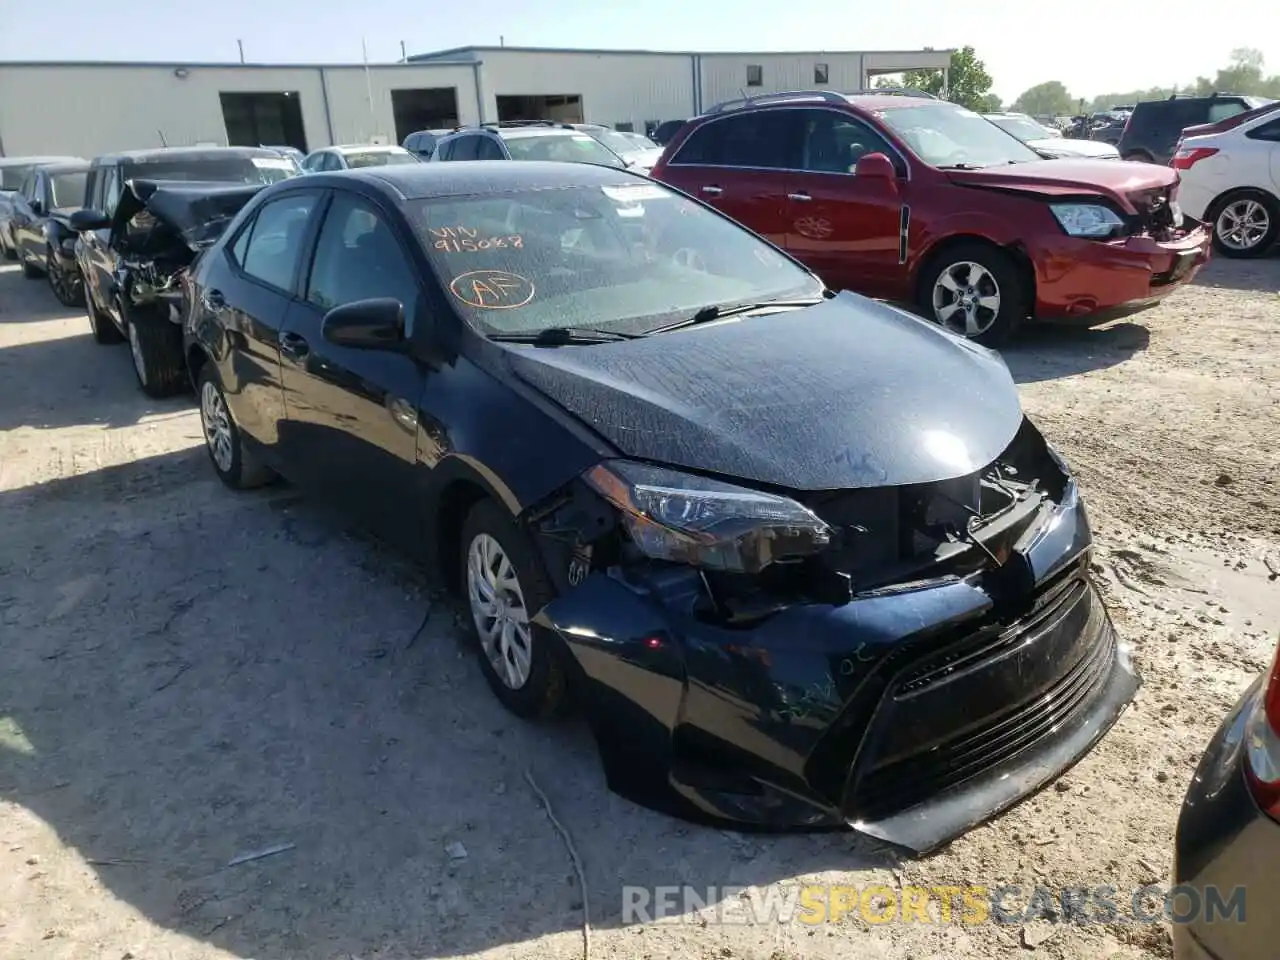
(525, 140)
(1155, 125)
(915, 199)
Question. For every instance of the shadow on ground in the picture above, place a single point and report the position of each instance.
(1047, 352)
(201, 674)
(24, 300)
(1261, 274)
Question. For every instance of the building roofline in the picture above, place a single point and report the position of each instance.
(231, 64)
(454, 51)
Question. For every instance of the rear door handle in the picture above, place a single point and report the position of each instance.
(802, 197)
(293, 345)
(712, 191)
(214, 300)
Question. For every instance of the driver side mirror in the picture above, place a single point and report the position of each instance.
(37, 207)
(876, 166)
(89, 219)
(376, 324)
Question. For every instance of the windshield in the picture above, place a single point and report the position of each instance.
(573, 148)
(944, 135)
(1021, 127)
(219, 170)
(68, 189)
(11, 177)
(380, 158)
(625, 258)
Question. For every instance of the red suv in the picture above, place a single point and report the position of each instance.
(915, 199)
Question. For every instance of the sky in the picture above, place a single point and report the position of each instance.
(1093, 46)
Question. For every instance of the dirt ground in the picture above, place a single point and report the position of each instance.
(188, 676)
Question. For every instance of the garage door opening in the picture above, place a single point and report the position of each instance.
(561, 107)
(424, 108)
(263, 119)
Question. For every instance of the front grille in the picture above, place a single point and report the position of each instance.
(899, 778)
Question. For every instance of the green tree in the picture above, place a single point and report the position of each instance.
(968, 84)
(1048, 99)
(1245, 74)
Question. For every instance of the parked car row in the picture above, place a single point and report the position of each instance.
(532, 376)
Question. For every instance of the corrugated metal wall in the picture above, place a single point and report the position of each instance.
(725, 76)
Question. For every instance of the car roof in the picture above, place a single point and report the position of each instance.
(79, 166)
(156, 154)
(365, 148)
(40, 161)
(418, 181)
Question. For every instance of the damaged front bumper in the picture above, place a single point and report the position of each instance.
(911, 712)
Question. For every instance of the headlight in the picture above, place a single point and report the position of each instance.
(689, 519)
(1086, 219)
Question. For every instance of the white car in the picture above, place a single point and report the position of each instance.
(1051, 142)
(1230, 172)
(352, 156)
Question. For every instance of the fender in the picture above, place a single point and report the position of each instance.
(926, 236)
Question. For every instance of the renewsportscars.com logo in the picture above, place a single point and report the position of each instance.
(969, 905)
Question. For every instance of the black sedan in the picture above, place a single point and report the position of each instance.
(40, 228)
(1228, 839)
(798, 557)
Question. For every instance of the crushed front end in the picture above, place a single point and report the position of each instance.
(910, 661)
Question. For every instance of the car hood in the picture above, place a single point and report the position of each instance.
(849, 393)
(1073, 147)
(1072, 176)
(196, 211)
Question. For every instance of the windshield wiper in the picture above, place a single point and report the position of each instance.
(716, 312)
(562, 336)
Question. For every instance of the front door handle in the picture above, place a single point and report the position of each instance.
(802, 197)
(214, 300)
(712, 191)
(293, 345)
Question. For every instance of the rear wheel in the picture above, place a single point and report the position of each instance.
(505, 585)
(29, 270)
(1245, 223)
(156, 345)
(974, 290)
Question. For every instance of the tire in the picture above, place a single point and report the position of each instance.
(104, 329)
(541, 689)
(1139, 156)
(1254, 206)
(983, 321)
(30, 272)
(67, 287)
(235, 466)
(156, 346)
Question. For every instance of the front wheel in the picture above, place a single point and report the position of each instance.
(975, 291)
(65, 282)
(1245, 223)
(29, 270)
(505, 585)
(104, 329)
(156, 345)
(235, 466)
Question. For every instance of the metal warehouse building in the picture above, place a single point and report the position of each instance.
(86, 109)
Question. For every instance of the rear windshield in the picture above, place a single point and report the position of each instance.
(220, 170)
(68, 189)
(628, 257)
(379, 158)
(570, 148)
(947, 136)
(11, 177)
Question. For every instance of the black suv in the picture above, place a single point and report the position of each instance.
(1155, 125)
(525, 140)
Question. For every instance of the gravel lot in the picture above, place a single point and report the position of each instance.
(191, 675)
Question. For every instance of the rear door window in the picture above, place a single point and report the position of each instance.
(1268, 131)
(274, 244)
(767, 138)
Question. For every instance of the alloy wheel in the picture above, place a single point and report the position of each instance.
(966, 298)
(1243, 224)
(63, 285)
(217, 425)
(497, 606)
